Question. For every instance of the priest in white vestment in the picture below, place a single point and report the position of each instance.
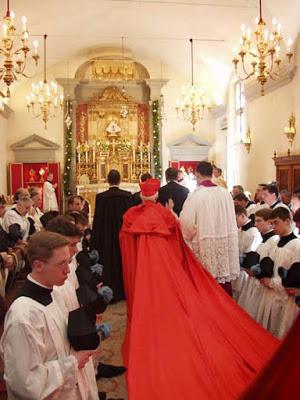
(49, 195)
(38, 362)
(208, 225)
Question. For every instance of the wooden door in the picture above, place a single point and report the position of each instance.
(284, 177)
(295, 177)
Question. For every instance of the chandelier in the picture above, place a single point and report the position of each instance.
(15, 57)
(194, 102)
(44, 99)
(262, 51)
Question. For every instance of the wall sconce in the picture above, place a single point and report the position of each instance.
(247, 141)
(290, 130)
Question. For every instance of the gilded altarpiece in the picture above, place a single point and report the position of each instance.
(112, 132)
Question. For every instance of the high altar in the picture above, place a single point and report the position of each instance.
(113, 129)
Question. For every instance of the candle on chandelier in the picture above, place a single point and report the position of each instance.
(35, 45)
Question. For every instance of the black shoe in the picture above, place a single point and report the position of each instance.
(109, 371)
(102, 395)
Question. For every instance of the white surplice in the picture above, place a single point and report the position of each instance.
(37, 359)
(249, 240)
(208, 226)
(11, 217)
(277, 309)
(49, 197)
(253, 295)
(66, 298)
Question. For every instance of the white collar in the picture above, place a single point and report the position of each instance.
(30, 278)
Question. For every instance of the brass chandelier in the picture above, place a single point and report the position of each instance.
(45, 100)
(263, 52)
(14, 56)
(194, 102)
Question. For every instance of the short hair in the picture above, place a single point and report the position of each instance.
(42, 244)
(286, 192)
(145, 177)
(24, 198)
(48, 216)
(281, 213)
(205, 168)
(296, 217)
(241, 197)
(240, 187)
(20, 192)
(114, 177)
(72, 198)
(239, 210)
(34, 191)
(272, 189)
(297, 190)
(2, 200)
(79, 217)
(63, 225)
(171, 174)
(262, 184)
(264, 213)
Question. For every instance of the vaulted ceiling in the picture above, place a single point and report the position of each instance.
(153, 29)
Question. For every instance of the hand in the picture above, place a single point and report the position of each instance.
(170, 205)
(8, 260)
(83, 356)
(104, 330)
(32, 211)
(54, 185)
(107, 293)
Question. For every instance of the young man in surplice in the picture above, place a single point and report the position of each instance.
(108, 218)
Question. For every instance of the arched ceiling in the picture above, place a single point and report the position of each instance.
(154, 29)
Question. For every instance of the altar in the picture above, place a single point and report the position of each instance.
(90, 191)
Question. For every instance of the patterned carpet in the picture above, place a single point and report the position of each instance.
(111, 351)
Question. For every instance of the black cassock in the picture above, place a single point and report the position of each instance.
(108, 218)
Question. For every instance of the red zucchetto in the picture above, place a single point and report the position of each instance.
(150, 187)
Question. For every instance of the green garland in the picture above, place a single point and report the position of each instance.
(68, 148)
(156, 139)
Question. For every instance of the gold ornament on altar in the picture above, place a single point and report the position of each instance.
(15, 59)
(31, 175)
(290, 130)
(42, 173)
(263, 52)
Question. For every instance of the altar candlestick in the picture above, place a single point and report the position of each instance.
(133, 153)
(94, 154)
(141, 153)
(149, 155)
(86, 154)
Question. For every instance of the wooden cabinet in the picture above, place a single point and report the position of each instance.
(288, 172)
(33, 174)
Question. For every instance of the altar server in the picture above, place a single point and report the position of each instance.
(49, 195)
(252, 295)
(38, 363)
(249, 239)
(277, 309)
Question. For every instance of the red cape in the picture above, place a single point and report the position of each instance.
(186, 339)
(280, 379)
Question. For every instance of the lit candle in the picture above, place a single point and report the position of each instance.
(133, 152)
(35, 45)
(141, 153)
(24, 21)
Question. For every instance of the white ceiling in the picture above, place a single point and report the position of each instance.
(156, 30)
